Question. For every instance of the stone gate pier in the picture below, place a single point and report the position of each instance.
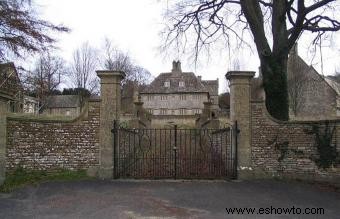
(240, 111)
(110, 109)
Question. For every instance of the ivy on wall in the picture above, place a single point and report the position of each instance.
(326, 147)
(283, 148)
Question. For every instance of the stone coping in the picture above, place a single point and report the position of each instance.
(47, 118)
(292, 122)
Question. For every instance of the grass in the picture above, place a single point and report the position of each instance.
(21, 177)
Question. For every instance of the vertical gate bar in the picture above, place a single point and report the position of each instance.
(209, 158)
(230, 155)
(125, 152)
(210, 161)
(184, 157)
(129, 155)
(187, 146)
(190, 141)
(139, 153)
(196, 152)
(160, 163)
(185, 152)
(169, 154)
(143, 155)
(153, 154)
(178, 153)
(160, 154)
(164, 153)
(115, 145)
(199, 161)
(134, 153)
(227, 149)
(175, 148)
(236, 150)
(221, 155)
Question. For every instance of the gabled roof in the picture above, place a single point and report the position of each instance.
(4, 70)
(333, 84)
(9, 79)
(296, 63)
(191, 83)
(63, 101)
(211, 85)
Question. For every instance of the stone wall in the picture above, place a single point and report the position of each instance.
(43, 144)
(285, 148)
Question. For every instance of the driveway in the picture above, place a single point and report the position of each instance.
(170, 199)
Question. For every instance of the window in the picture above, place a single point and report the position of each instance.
(150, 97)
(164, 97)
(150, 111)
(197, 111)
(181, 84)
(182, 97)
(163, 111)
(167, 84)
(182, 111)
(197, 96)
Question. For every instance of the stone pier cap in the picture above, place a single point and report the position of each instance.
(110, 73)
(232, 74)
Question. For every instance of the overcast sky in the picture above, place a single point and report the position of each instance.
(134, 27)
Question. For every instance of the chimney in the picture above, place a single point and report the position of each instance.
(199, 78)
(176, 66)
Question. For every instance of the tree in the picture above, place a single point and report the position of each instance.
(83, 68)
(229, 20)
(115, 59)
(21, 29)
(47, 75)
(224, 101)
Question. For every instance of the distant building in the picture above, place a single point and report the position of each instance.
(31, 105)
(179, 93)
(11, 90)
(67, 105)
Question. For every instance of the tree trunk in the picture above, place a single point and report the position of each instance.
(274, 71)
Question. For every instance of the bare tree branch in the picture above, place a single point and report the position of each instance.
(21, 29)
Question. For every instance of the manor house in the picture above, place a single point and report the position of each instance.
(179, 93)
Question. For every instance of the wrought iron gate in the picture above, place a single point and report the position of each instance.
(174, 153)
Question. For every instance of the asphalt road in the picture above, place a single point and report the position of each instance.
(168, 199)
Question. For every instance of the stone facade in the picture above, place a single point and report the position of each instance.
(39, 144)
(179, 93)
